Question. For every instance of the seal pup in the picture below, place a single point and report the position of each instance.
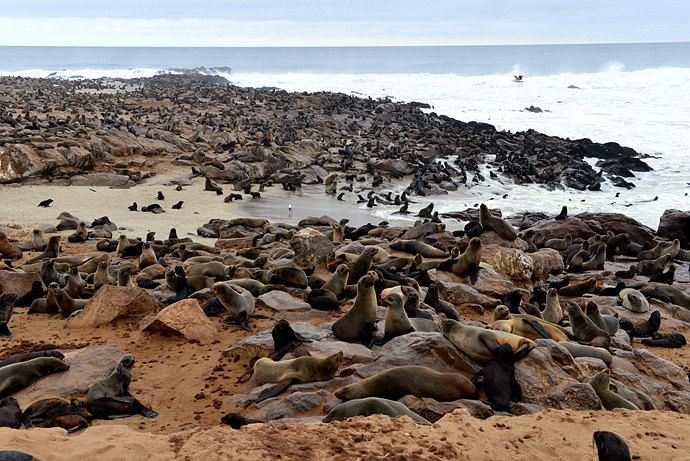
(630, 273)
(8, 250)
(500, 384)
(479, 343)
(416, 380)
(236, 420)
(10, 414)
(45, 203)
(80, 235)
(579, 288)
(468, 262)
(372, 406)
(38, 240)
(238, 302)
(440, 306)
(360, 266)
(47, 409)
(609, 399)
(611, 446)
(285, 339)
(669, 340)
(359, 322)
(17, 376)
(338, 281)
(665, 277)
(147, 257)
(133, 207)
(498, 225)
(553, 312)
(178, 205)
(6, 311)
(210, 186)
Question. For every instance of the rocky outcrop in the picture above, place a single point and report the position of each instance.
(510, 262)
(311, 247)
(184, 318)
(113, 303)
(17, 282)
(675, 224)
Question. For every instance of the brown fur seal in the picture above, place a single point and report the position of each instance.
(10, 413)
(584, 329)
(116, 384)
(559, 244)
(480, 343)
(418, 247)
(38, 240)
(337, 233)
(468, 261)
(47, 409)
(194, 282)
(124, 276)
(498, 225)
(372, 406)
(16, 358)
(360, 266)
(255, 287)
(667, 293)
(80, 235)
(6, 310)
(553, 312)
(147, 257)
(300, 370)
(611, 447)
(338, 281)
(397, 322)
(75, 284)
(530, 328)
(582, 350)
(633, 300)
(101, 276)
(90, 266)
(288, 276)
(419, 381)
(237, 301)
(17, 376)
(358, 323)
(579, 288)
(609, 399)
(51, 251)
(597, 261)
(422, 230)
(654, 266)
(209, 269)
(9, 250)
(608, 323)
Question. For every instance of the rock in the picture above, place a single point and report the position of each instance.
(67, 221)
(203, 295)
(511, 262)
(294, 404)
(548, 376)
(662, 384)
(17, 282)
(574, 226)
(675, 224)
(184, 318)
(311, 247)
(87, 366)
(430, 350)
(234, 243)
(617, 223)
(621, 340)
(456, 292)
(100, 179)
(492, 238)
(112, 303)
(491, 285)
(546, 261)
(430, 409)
(324, 221)
(323, 344)
(281, 301)
(206, 232)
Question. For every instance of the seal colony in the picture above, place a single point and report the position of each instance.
(505, 315)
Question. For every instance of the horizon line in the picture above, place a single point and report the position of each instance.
(358, 46)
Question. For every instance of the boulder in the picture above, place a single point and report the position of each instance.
(67, 221)
(487, 283)
(184, 318)
(546, 261)
(513, 263)
(675, 224)
(234, 243)
(297, 403)
(17, 282)
(206, 232)
(112, 303)
(617, 223)
(281, 301)
(492, 238)
(100, 179)
(87, 366)
(549, 376)
(574, 226)
(311, 247)
(456, 292)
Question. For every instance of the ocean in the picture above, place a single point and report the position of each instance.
(635, 94)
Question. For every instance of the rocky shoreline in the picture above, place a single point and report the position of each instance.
(117, 133)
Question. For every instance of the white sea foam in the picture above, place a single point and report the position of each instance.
(647, 110)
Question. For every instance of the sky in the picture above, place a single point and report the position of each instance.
(339, 23)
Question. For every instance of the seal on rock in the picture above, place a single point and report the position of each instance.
(237, 301)
(498, 225)
(17, 376)
(609, 399)
(479, 343)
(500, 384)
(372, 406)
(358, 323)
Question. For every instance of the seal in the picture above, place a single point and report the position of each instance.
(46, 409)
(597, 261)
(372, 406)
(422, 230)
(608, 323)
(653, 266)
(6, 311)
(582, 350)
(16, 358)
(101, 277)
(237, 301)
(609, 399)
(396, 323)
(9, 250)
(530, 328)
(440, 306)
(553, 312)
(117, 407)
(209, 269)
(147, 257)
(255, 287)
(584, 329)
(468, 262)
(611, 446)
(498, 225)
(236, 420)
(10, 414)
(51, 251)
(338, 281)
(559, 244)
(80, 235)
(38, 240)
(116, 384)
(644, 330)
(360, 266)
(17, 376)
(479, 343)
(359, 322)
(338, 235)
(665, 277)
(416, 380)
(500, 384)
(633, 300)
(288, 276)
(579, 288)
(666, 293)
(670, 340)
(285, 339)
(300, 370)
(418, 247)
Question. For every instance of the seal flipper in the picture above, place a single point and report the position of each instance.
(536, 326)
(274, 391)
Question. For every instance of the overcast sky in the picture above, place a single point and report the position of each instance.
(341, 22)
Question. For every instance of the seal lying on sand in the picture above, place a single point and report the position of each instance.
(372, 406)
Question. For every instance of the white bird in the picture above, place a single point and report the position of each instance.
(290, 208)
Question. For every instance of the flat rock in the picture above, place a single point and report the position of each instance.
(184, 318)
(112, 303)
(87, 366)
(281, 301)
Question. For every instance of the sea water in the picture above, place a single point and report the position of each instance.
(635, 94)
